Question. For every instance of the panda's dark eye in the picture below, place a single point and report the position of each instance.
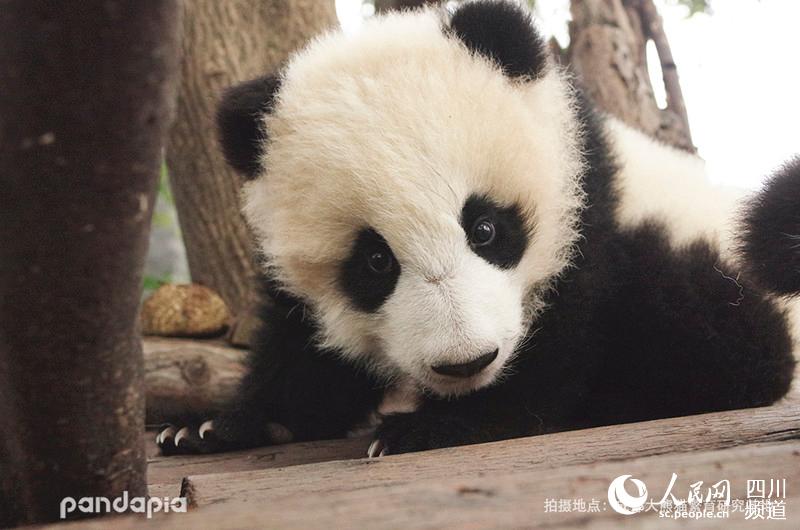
(380, 261)
(482, 233)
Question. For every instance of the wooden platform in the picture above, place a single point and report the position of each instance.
(511, 483)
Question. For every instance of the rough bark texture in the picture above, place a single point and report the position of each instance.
(84, 106)
(653, 27)
(225, 43)
(189, 378)
(607, 52)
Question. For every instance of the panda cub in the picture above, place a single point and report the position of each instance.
(460, 249)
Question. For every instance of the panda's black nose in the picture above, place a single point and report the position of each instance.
(466, 369)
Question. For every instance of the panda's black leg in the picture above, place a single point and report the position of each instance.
(490, 414)
(685, 334)
(307, 395)
(239, 427)
(242, 424)
(293, 391)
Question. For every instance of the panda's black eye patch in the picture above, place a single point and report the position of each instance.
(495, 233)
(370, 273)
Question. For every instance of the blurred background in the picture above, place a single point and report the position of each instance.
(734, 58)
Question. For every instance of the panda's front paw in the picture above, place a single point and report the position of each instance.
(416, 431)
(190, 439)
(227, 432)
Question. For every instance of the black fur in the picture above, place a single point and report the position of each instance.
(309, 391)
(502, 32)
(239, 123)
(366, 289)
(771, 240)
(511, 236)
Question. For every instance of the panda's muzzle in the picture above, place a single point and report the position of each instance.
(466, 369)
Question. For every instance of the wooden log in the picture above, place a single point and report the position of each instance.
(512, 499)
(548, 452)
(187, 378)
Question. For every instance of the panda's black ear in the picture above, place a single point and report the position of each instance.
(240, 123)
(503, 32)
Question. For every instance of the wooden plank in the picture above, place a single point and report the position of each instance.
(693, 433)
(518, 499)
(172, 469)
(511, 499)
(170, 490)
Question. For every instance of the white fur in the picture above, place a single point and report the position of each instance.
(394, 129)
(474, 309)
(403, 397)
(659, 182)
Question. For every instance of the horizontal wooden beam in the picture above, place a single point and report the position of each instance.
(513, 497)
(676, 435)
(516, 498)
(173, 469)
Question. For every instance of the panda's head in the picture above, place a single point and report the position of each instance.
(417, 186)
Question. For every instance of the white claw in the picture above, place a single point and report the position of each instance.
(162, 436)
(183, 433)
(205, 427)
(376, 449)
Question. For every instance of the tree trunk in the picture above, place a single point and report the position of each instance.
(607, 52)
(225, 43)
(84, 106)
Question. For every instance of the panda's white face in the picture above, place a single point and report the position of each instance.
(419, 200)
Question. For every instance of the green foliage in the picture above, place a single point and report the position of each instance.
(162, 217)
(151, 283)
(164, 190)
(162, 220)
(695, 6)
